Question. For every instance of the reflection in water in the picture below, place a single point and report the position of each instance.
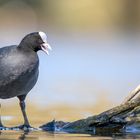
(20, 135)
(17, 135)
(40, 135)
(23, 136)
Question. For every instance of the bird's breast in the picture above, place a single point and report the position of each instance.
(18, 75)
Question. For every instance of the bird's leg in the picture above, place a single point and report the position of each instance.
(26, 125)
(22, 105)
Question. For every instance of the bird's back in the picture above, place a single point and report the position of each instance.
(18, 71)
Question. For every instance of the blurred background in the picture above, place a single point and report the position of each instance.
(95, 59)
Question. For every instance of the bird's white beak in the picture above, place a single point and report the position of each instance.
(46, 47)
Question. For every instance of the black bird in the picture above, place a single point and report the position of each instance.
(19, 69)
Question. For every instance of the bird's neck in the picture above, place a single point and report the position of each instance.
(27, 46)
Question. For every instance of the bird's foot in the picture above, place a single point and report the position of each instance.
(3, 127)
(24, 127)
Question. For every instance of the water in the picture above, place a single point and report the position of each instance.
(74, 78)
(40, 135)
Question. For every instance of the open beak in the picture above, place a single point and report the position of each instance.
(46, 47)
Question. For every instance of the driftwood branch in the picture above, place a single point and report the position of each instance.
(132, 94)
(111, 120)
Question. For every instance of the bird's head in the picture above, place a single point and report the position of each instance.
(36, 41)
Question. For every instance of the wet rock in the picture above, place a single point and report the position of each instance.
(54, 126)
(132, 127)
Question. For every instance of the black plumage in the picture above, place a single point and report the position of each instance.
(19, 68)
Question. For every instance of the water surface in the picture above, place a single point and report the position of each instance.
(42, 135)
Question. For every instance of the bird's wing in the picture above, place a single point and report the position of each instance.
(13, 64)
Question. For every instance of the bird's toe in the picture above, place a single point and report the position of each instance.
(3, 127)
(24, 127)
